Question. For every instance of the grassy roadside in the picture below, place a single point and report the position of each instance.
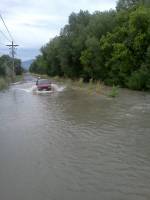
(92, 87)
(5, 82)
(18, 78)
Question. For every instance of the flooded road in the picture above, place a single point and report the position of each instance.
(70, 145)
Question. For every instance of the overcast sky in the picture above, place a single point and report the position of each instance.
(33, 22)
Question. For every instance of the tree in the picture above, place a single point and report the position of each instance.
(127, 4)
(6, 66)
(111, 46)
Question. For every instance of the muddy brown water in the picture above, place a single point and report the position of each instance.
(70, 145)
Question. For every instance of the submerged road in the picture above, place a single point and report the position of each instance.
(73, 146)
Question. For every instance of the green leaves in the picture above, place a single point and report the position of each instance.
(139, 80)
(111, 46)
(6, 66)
(139, 20)
(130, 4)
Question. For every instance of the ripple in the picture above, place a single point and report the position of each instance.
(74, 146)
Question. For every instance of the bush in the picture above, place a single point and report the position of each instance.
(3, 83)
(113, 92)
(139, 80)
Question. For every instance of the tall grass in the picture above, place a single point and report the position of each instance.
(80, 82)
(114, 91)
(98, 88)
(3, 83)
(18, 78)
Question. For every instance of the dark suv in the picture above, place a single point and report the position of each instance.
(43, 84)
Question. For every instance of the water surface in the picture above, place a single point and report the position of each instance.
(70, 145)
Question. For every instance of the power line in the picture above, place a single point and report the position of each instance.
(6, 27)
(11, 46)
(4, 35)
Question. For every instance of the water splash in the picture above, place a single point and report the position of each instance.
(58, 88)
(33, 89)
(16, 83)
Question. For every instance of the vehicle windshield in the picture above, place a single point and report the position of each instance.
(43, 81)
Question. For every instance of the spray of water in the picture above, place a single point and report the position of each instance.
(57, 88)
(33, 89)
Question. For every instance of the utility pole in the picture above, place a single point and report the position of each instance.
(12, 47)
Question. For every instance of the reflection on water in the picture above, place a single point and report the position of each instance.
(70, 145)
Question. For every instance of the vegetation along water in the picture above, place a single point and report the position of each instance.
(65, 144)
(111, 46)
(6, 70)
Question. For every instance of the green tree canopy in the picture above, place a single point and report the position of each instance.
(111, 46)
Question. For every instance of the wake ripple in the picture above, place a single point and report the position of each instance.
(33, 89)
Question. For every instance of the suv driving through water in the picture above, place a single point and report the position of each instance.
(43, 84)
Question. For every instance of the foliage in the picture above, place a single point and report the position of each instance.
(6, 66)
(38, 65)
(139, 80)
(113, 92)
(111, 46)
(130, 4)
(3, 83)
